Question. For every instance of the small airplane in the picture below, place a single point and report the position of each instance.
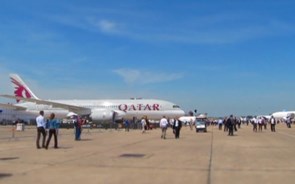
(97, 110)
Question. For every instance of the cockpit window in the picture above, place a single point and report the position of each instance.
(176, 107)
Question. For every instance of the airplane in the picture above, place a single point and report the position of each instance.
(192, 119)
(283, 114)
(266, 117)
(187, 119)
(96, 110)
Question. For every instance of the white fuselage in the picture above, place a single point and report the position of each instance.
(103, 109)
(94, 109)
(282, 114)
(188, 119)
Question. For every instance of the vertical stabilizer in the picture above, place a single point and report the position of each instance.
(20, 88)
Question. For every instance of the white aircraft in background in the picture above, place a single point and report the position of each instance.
(97, 110)
(187, 119)
(267, 117)
(284, 115)
(192, 119)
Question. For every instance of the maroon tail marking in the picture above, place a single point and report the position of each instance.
(20, 90)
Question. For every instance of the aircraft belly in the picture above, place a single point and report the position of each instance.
(152, 114)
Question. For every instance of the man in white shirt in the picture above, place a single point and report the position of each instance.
(143, 125)
(220, 123)
(163, 126)
(272, 124)
(41, 125)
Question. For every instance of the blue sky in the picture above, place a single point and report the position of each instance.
(220, 57)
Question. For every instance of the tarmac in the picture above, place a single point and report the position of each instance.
(115, 156)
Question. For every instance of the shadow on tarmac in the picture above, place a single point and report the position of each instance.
(4, 175)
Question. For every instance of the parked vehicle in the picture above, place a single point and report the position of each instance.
(200, 125)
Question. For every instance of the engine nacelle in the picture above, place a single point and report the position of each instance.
(102, 115)
(119, 115)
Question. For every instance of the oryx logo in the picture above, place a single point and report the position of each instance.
(20, 90)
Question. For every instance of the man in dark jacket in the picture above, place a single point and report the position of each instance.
(176, 128)
(230, 124)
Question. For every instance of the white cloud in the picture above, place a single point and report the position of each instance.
(132, 76)
(107, 26)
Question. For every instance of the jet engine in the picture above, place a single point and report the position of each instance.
(106, 115)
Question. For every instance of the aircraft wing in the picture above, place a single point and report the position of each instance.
(71, 108)
(12, 106)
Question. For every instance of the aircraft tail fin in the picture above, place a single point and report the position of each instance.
(20, 88)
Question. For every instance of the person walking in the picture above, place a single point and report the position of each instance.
(126, 125)
(147, 126)
(41, 125)
(288, 122)
(52, 125)
(260, 124)
(230, 125)
(163, 126)
(143, 124)
(77, 126)
(177, 127)
(255, 123)
(272, 124)
(225, 129)
(220, 123)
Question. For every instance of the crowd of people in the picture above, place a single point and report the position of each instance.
(229, 124)
(232, 124)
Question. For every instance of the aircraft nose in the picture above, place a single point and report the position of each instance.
(181, 113)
